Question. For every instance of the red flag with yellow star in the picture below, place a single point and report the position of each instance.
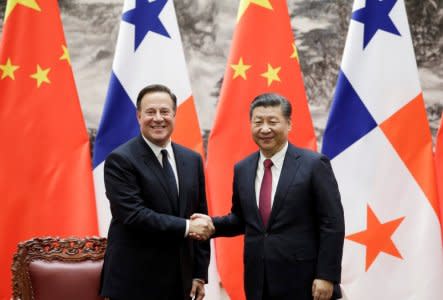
(263, 59)
(45, 175)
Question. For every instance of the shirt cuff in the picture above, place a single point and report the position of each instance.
(199, 280)
(187, 228)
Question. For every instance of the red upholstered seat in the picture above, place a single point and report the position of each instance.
(54, 268)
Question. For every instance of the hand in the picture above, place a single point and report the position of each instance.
(198, 289)
(322, 289)
(200, 227)
(201, 216)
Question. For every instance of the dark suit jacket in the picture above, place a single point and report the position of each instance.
(147, 252)
(304, 236)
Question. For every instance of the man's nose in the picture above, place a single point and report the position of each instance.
(265, 128)
(158, 116)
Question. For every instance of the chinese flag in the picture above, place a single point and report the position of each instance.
(439, 167)
(46, 182)
(263, 59)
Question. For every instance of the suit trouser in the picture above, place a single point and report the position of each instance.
(175, 292)
(305, 294)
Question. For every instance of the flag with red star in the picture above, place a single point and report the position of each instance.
(263, 58)
(380, 144)
(46, 172)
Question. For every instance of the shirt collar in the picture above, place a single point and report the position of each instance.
(277, 158)
(157, 149)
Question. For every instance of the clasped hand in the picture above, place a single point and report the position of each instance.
(201, 227)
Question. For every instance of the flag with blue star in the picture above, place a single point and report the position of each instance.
(145, 17)
(149, 50)
(374, 17)
(378, 139)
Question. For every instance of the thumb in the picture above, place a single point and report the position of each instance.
(196, 215)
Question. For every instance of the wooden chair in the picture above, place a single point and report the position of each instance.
(54, 268)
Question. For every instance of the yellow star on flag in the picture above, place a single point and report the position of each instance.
(244, 4)
(11, 4)
(271, 74)
(41, 75)
(8, 69)
(295, 52)
(65, 55)
(240, 69)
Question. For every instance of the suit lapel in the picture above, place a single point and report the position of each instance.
(154, 165)
(287, 176)
(251, 197)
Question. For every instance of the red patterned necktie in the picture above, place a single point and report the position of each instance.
(264, 203)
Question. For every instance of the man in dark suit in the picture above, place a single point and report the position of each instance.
(287, 203)
(154, 186)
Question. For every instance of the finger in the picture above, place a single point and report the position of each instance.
(195, 236)
(211, 225)
(327, 296)
(193, 290)
(200, 292)
(198, 237)
(197, 215)
(316, 294)
(200, 296)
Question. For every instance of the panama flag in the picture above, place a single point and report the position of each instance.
(149, 51)
(379, 141)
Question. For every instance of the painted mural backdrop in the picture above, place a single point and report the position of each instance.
(206, 26)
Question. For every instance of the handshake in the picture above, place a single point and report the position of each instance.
(200, 227)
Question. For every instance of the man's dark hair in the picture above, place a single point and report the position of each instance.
(271, 99)
(156, 88)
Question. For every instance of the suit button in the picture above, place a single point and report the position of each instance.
(266, 234)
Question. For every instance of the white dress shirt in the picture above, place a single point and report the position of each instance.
(277, 164)
(157, 152)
